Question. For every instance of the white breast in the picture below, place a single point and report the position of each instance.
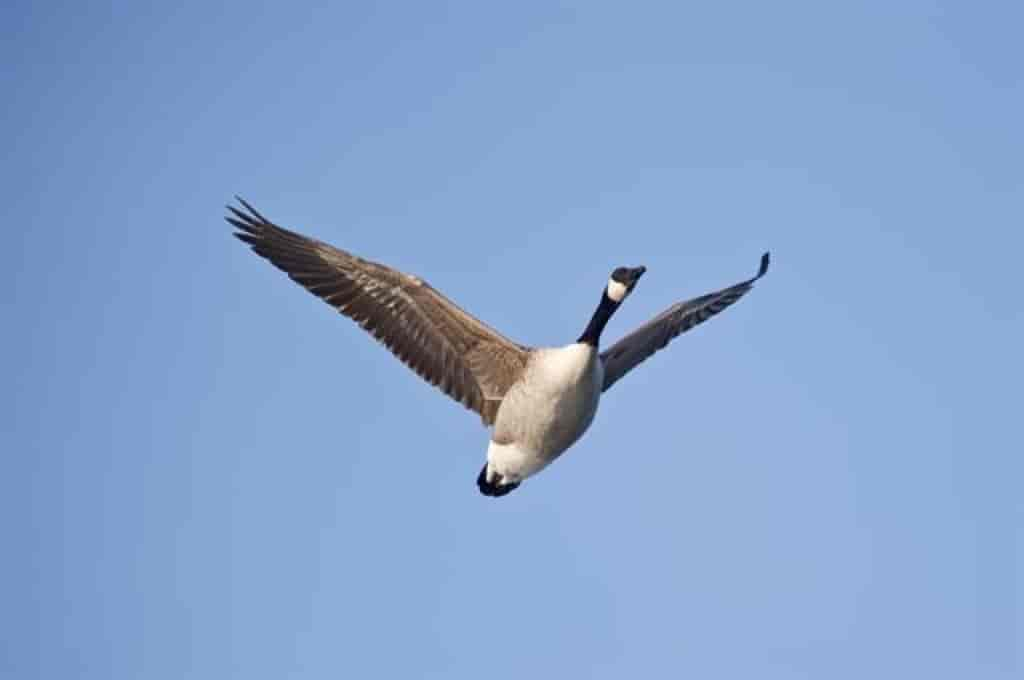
(547, 411)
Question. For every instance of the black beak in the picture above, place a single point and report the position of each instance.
(637, 273)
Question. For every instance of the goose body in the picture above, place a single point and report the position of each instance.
(545, 412)
(539, 401)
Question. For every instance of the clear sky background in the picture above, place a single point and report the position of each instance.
(207, 473)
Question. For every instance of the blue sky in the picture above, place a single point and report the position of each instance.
(209, 474)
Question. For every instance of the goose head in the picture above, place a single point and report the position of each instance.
(622, 282)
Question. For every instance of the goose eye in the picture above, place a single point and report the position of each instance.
(621, 275)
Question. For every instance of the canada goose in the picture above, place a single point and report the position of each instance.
(539, 400)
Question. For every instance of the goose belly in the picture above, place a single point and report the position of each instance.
(546, 412)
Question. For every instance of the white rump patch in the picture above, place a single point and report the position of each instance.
(617, 291)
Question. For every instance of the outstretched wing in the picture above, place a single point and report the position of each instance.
(630, 351)
(468, 360)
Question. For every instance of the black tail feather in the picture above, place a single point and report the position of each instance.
(493, 489)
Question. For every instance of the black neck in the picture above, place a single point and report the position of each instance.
(592, 333)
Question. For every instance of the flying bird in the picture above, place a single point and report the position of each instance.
(538, 400)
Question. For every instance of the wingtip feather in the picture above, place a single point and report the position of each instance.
(765, 261)
(249, 221)
(251, 209)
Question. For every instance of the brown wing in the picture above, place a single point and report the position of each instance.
(631, 350)
(468, 360)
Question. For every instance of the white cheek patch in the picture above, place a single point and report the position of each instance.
(617, 291)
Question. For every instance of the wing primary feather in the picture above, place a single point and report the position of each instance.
(251, 209)
(765, 261)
